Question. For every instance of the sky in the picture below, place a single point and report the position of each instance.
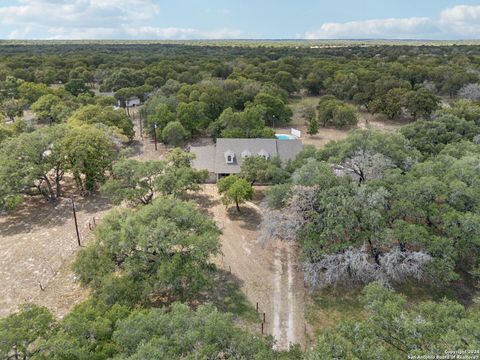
(239, 19)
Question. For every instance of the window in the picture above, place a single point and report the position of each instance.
(264, 154)
(246, 154)
(229, 157)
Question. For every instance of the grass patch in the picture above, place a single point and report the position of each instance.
(327, 308)
(418, 293)
(297, 106)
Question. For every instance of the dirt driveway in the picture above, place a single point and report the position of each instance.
(269, 274)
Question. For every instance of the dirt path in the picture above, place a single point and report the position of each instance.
(288, 325)
(268, 273)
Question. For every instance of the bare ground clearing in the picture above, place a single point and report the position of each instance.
(38, 245)
(269, 273)
(327, 134)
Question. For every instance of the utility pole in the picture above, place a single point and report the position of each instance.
(273, 122)
(76, 223)
(140, 120)
(155, 135)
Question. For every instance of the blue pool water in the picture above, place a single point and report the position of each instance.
(284, 137)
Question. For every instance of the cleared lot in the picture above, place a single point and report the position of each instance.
(37, 247)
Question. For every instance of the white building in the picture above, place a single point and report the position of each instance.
(130, 102)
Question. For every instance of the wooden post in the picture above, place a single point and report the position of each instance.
(262, 328)
(76, 224)
(90, 225)
(257, 306)
(264, 317)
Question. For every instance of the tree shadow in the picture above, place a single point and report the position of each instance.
(93, 203)
(135, 148)
(35, 212)
(248, 217)
(225, 293)
(206, 202)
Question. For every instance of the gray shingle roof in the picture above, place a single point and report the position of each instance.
(213, 157)
(237, 146)
(288, 149)
(204, 157)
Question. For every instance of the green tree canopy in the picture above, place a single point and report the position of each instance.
(235, 190)
(192, 116)
(246, 124)
(133, 181)
(19, 331)
(31, 92)
(12, 108)
(32, 161)
(93, 114)
(257, 169)
(431, 136)
(139, 181)
(394, 330)
(88, 152)
(159, 253)
(277, 113)
(50, 107)
(77, 87)
(367, 153)
(206, 333)
(174, 133)
(421, 103)
(332, 111)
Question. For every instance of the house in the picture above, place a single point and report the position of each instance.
(226, 156)
(130, 102)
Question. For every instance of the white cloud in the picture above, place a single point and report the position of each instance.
(20, 33)
(379, 28)
(180, 33)
(461, 21)
(142, 32)
(95, 19)
(78, 13)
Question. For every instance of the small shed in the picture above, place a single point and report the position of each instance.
(130, 102)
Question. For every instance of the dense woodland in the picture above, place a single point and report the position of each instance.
(375, 213)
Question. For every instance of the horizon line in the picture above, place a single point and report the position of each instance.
(243, 39)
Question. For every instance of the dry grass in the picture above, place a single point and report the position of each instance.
(328, 308)
(327, 134)
(38, 245)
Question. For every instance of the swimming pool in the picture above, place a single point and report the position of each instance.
(285, 137)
